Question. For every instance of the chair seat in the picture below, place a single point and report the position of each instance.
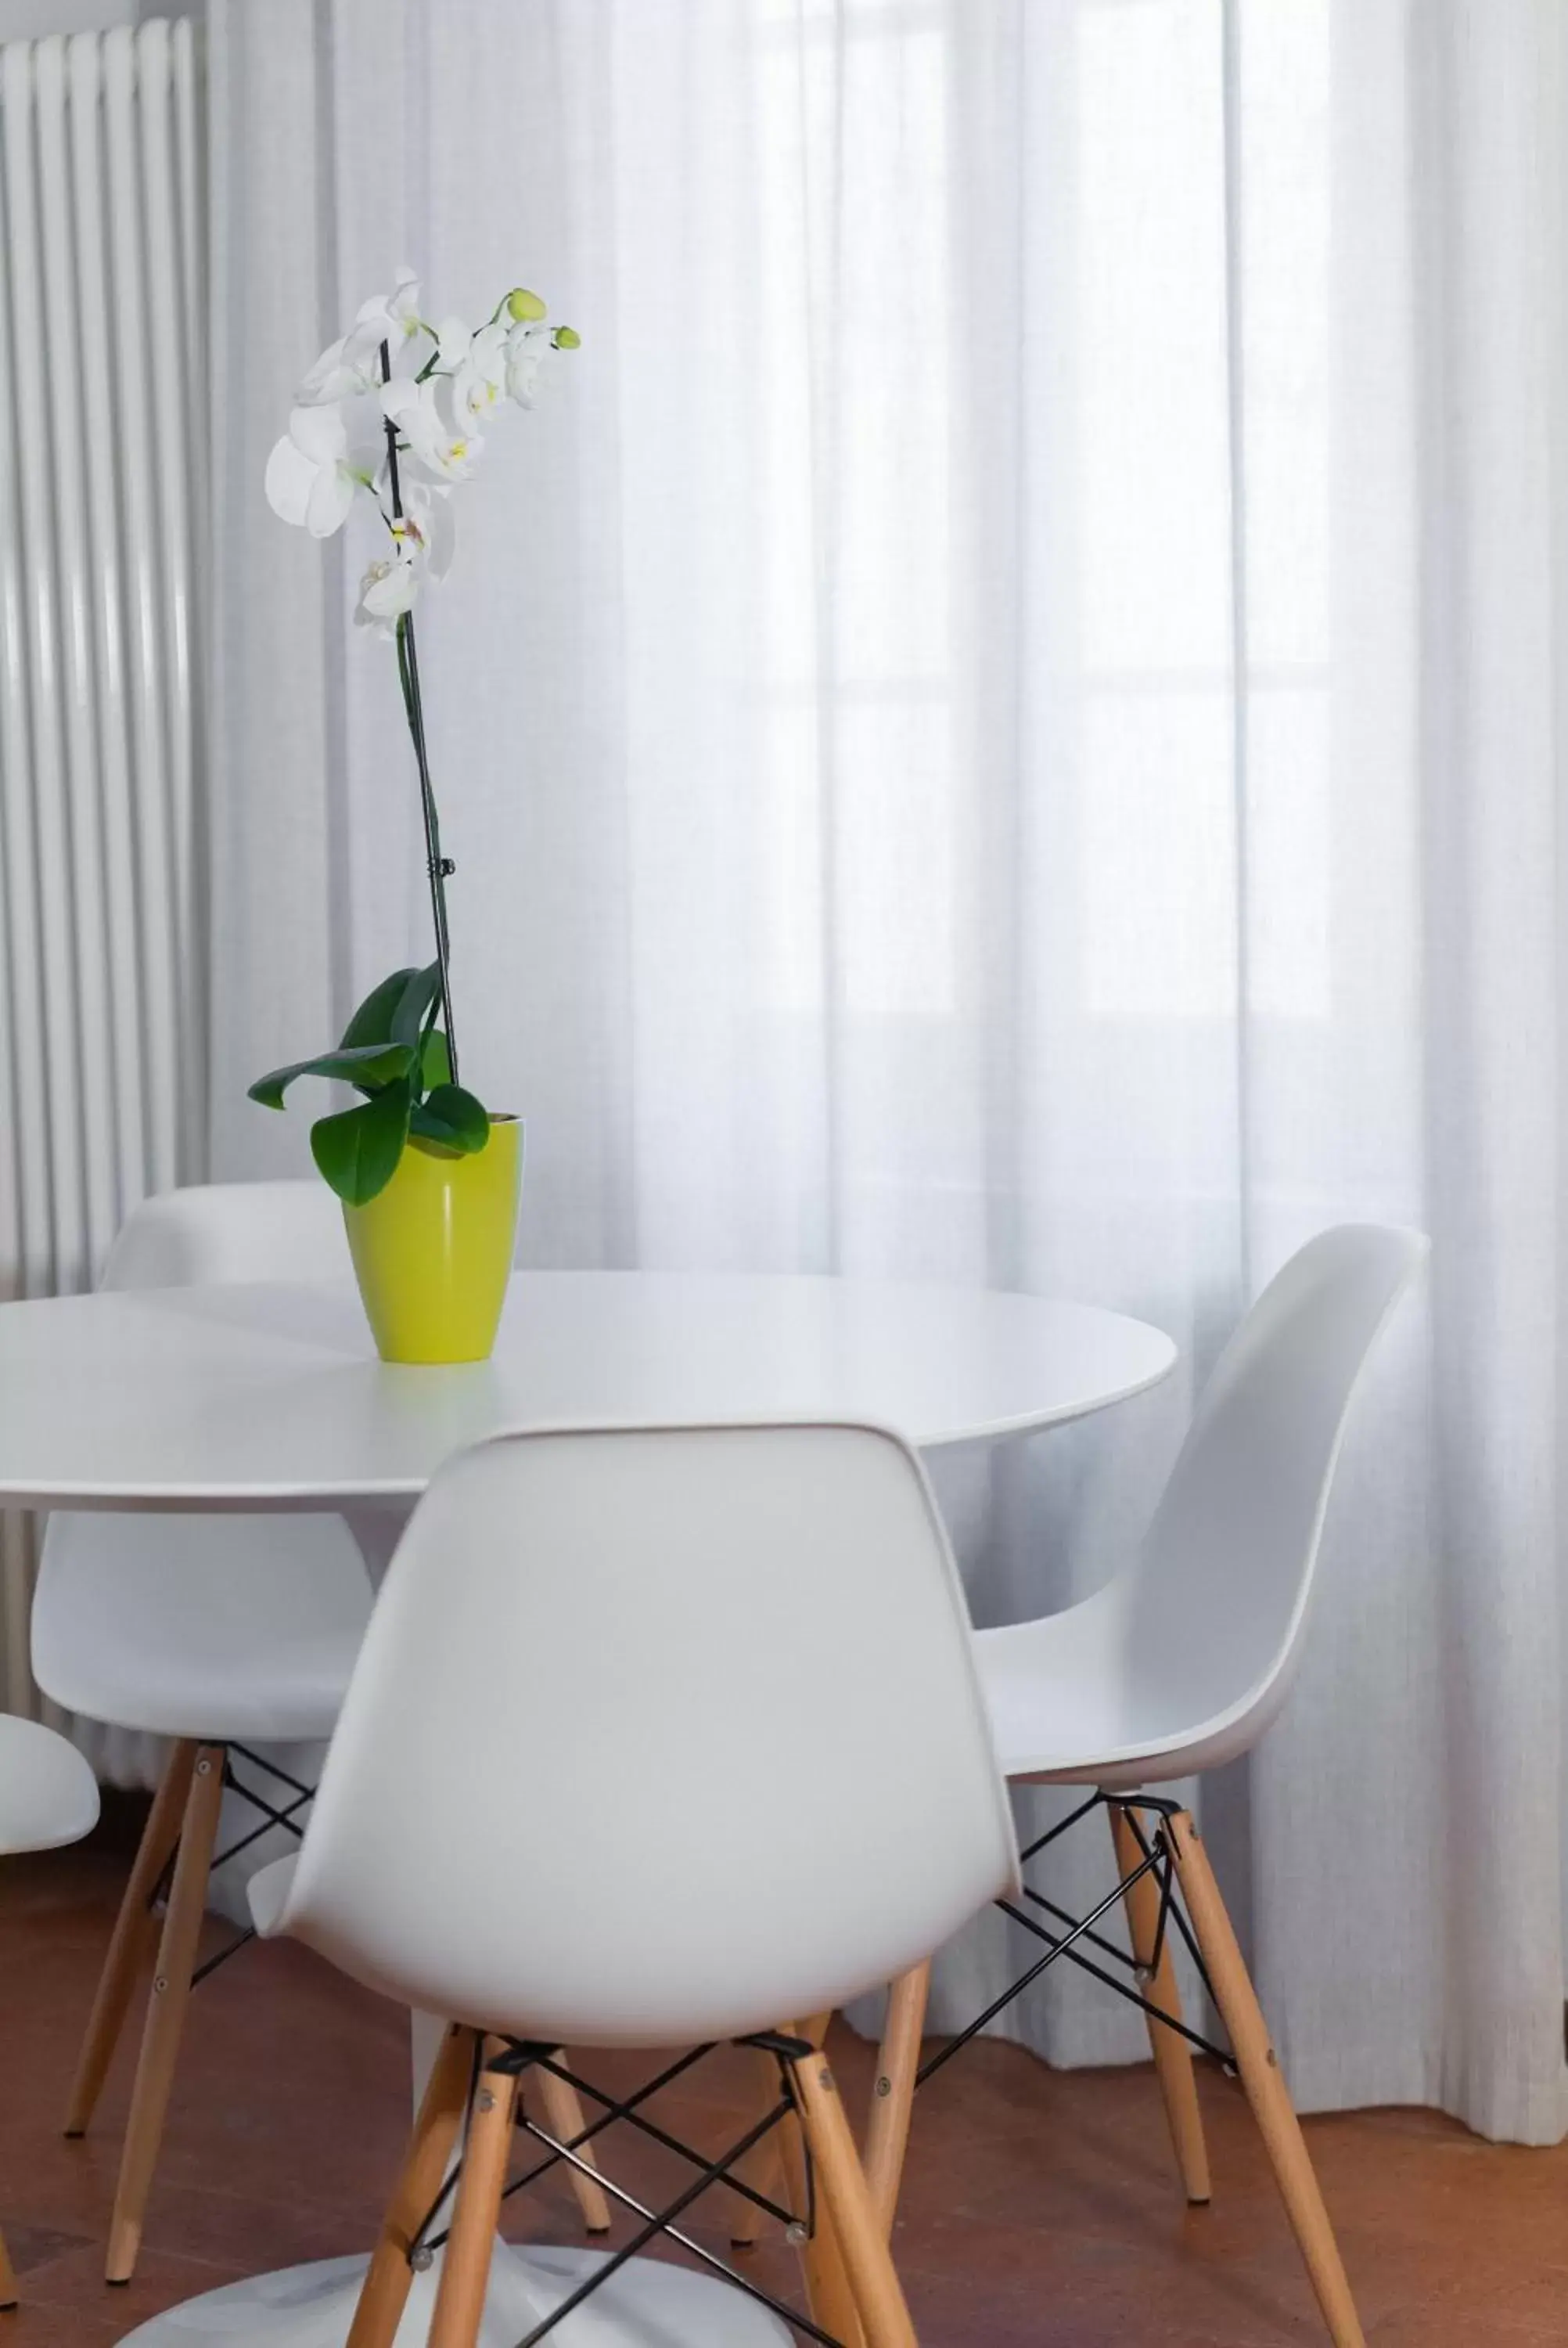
(1072, 1700)
(48, 1795)
(232, 1630)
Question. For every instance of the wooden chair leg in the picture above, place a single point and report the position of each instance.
(1173, 2053)
(1264, 2082)
(887, 2129)
(131, 1942)
(873, 2279)
(563, 2114)
(830, 2295)
(166, 2012)
(384, 2293)
(8, 2291)
(466, 2269)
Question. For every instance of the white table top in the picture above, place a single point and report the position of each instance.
(272, 1397)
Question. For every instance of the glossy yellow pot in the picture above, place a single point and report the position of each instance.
(433, 1252)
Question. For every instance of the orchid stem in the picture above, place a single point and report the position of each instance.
(413, 709)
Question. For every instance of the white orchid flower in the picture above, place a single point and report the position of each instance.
(391, 317)
(476, 365)
(479, 383)
(423, 416)
(327, 456)
(387, 591)
(425, 524)
(339, 428)
(422, 543)
(453, 339)
(352, 366)
(527, 346)
(342, 372)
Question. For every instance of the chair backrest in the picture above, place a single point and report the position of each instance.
(1218, 1604)
(658, 1734)
(246, 1575)
(221, 1231)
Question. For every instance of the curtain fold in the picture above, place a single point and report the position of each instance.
(999, 722)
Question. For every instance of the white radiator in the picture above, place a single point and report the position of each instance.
(102, 438)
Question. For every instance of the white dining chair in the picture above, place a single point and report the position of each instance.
(764, 1674)
(48, 1797)
(223, 1634)
(1176, 1666)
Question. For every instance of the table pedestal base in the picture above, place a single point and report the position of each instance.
(647, 2305)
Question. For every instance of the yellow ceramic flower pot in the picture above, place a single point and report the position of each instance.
(433, 1252)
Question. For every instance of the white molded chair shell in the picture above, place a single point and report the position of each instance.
(226, 1627)
(755, 1779)
(230, 1232)
(48, 1795)
(236, 1629)
(1181, 1662)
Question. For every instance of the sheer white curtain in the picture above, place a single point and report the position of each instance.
(999, 723)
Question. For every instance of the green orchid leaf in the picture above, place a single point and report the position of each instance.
(369, 1066)
(357, 1152)
(420, 992)
(428, 1133)
(371, 1022)
(435, 1061)
(451, 1119)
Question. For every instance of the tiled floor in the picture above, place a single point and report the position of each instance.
(1040, 2206)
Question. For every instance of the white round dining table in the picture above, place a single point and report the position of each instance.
(266, 1398)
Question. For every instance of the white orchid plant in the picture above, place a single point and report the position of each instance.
(392, 416)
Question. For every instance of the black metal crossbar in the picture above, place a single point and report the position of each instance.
(518, 2057)
(650, 2128)
(1156, 1858)
(241, 1941)
(520, 2060)
(1064, 1916)
(306, 1793)
(1055, 1833)
(1133, 1997)
(626, 2109)
(1057, 1949)
(271, 1815)
(662, 2222)
(1169, 1912)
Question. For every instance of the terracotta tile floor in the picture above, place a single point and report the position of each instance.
(1040, 2206)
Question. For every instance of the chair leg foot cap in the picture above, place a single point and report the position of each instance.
(597, 2233)
(74, 2136)
(1198, 2200)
